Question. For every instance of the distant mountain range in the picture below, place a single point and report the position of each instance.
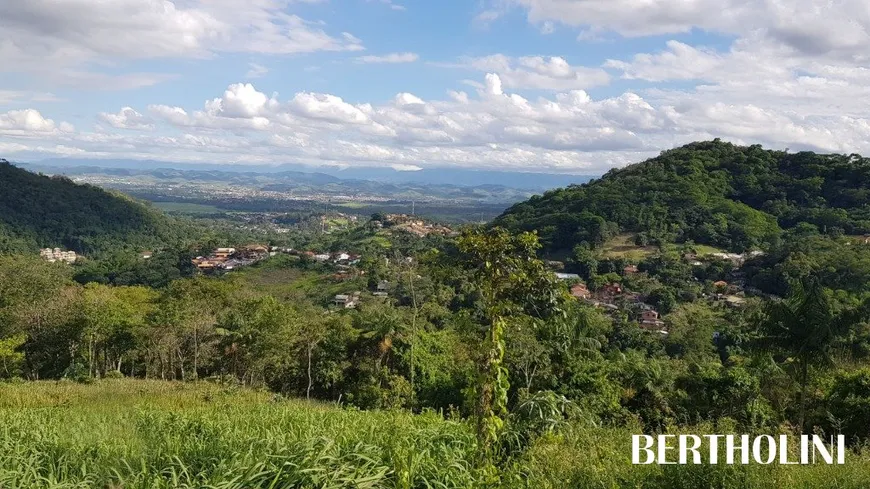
(531, 181)
(204, 183)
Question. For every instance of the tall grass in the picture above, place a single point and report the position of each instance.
(162, 435)
(149, 434)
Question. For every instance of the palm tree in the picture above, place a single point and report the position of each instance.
(804, 327)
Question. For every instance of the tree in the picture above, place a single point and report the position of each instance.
(11, 358)
(510, 279)
(526, 355)
(804, 327)
(691, 328)
(110, 318)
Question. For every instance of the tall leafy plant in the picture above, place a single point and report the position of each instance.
(510, 280)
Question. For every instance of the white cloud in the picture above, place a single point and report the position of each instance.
(390, 58)
(569, 131)
(679, 62)
(328, 108)
(394, 6)
(537, 72)
(174, 115)
(777, 84)
(9, 97)
(406, 167)
(811, 27)
(241, 101)
(126, 118)
(29, 122)
(48, 37)
(256, 71)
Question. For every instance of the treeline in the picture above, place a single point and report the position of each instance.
(713, 192)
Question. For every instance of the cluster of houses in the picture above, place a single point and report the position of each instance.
(607, 296)
(414, 225)
(737, 259)
(58, 255)
(350, 301)
(232, 258)
(340, 258)
(347, 301)
(863, 239)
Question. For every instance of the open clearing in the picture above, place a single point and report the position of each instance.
(622, 246)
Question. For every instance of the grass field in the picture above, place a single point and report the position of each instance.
(143, 434)
(187, 208)
(623, 246)
(352, 205)
(150, 434)
(706, 250)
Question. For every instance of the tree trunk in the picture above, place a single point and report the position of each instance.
(310, 383)
(413, 332)
(91, 366)
(195, 353)
(803, 395)
(181, 363)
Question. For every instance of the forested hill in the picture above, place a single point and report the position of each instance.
(38, 211)
(717, 193)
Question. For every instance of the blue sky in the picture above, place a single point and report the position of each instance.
(571, 86)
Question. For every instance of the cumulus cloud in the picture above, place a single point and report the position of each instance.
(537, 72)
(328, 108)
(29, 122)
(241, 100)
(127, 118)
(569, 131)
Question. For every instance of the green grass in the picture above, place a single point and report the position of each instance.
(378, 240)
(138, 434)
(187, 208)
(706, 249)
(152, 434)
(623, 246)
(352, 205)
(278, 278)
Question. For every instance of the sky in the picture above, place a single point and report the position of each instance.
(559, 86)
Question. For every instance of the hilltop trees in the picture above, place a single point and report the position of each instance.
(38, 211)
(711, 192)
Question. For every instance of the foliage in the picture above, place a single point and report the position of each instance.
(510, 279)
(803, 329)
(712, 192)
(37, 211)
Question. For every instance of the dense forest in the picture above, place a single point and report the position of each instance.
(717, 193)
(37, 211)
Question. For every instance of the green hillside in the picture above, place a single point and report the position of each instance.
(716, 193)
(39, 211)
